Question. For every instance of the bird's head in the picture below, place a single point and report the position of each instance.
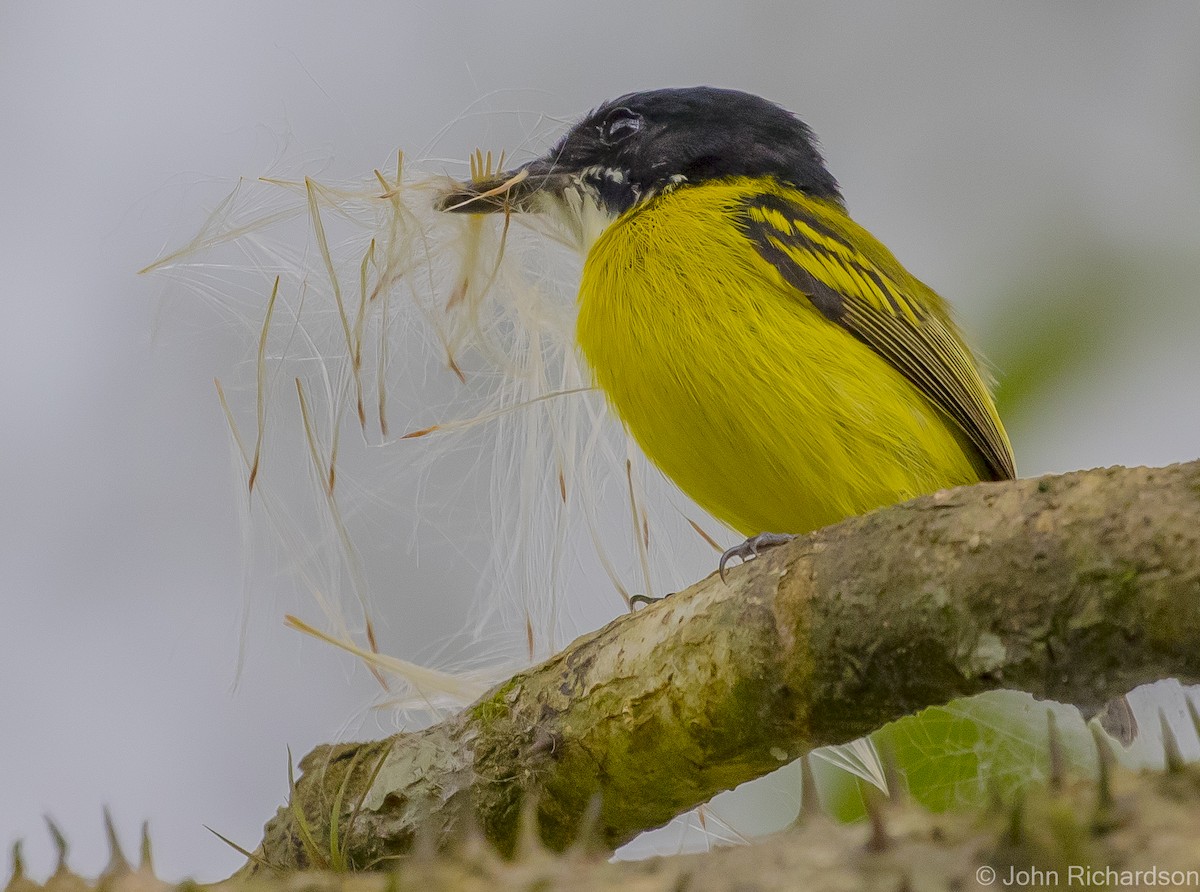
(643, 144)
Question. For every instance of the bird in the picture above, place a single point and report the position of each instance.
(764, 350)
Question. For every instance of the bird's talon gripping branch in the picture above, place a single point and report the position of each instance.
(749, 549)
(646, 600)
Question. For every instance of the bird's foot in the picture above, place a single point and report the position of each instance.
(750, 548)
(646, 600)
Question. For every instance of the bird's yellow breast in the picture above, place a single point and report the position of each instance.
(769, 415)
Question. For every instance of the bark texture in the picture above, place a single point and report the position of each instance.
(1075, 588)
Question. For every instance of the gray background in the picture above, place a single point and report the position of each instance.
(989, 145)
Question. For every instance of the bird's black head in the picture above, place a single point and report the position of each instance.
(641, 144)
(636, 146)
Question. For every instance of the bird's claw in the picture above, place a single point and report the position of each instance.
(644, 600)
(750, 548)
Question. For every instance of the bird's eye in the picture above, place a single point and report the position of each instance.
(619, 124)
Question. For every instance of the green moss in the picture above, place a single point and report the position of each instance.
(1119, 587)
(1124, 586)
(496, 705)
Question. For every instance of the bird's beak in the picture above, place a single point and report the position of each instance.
(515, 190)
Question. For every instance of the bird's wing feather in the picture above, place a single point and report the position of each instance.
(855, 282)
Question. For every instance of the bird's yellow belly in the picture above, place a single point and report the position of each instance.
(767, 414)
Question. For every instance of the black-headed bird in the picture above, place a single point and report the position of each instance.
(766, 352)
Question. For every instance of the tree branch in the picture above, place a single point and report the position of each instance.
(1075, 588)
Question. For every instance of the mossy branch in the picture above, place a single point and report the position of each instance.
(1075, 588)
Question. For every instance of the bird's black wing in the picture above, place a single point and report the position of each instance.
(854, 281)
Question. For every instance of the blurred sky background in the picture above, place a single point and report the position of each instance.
(1036, 163)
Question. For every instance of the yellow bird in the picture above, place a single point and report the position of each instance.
(765, 351)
